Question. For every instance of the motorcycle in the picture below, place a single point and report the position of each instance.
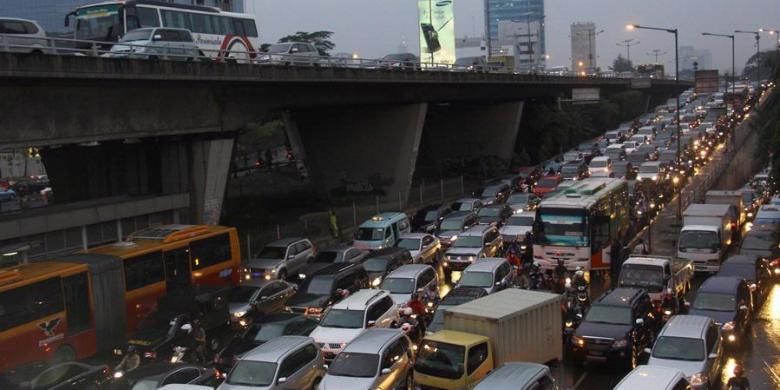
(572, 317)
(411, 325)
(178, 355)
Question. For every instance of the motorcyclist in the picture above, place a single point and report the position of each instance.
(669, 304)
(560, 276)
(535, 276)
(199, 337)
(513, 253)
(411, 326)
(416, 305)
(130, 361)
(738, 381)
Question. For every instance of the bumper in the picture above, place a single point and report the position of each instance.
(600, 354)
(456, 265)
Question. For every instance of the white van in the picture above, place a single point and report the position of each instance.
(23, 36)
(654, 378)
(600, 166)
(382, 231)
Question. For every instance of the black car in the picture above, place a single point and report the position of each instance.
(339, 253)
(495, 214)
(762, 240)
(261, 331)
(427, 218)
(617, 327)
(325, 287)
(755, 270)
(381, 262)
(155, 375)
(495, 193)
(453, 225)
(455, 297)
(64, 376)
(727, 300)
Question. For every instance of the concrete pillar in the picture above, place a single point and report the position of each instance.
(361, 145)
(210, 166)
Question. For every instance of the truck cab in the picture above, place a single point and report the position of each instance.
(704, 245)
(452, 360)
(656, 274)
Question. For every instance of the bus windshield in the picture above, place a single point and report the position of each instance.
(99, 23)
(564, 227)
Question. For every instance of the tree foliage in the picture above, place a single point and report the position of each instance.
(320, 40)
(765, 68)
(622, 64)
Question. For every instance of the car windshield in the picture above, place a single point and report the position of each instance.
(489, 212)
(699, 240)
(604, 314)
(488, 192)
(398, 285)
(714, 302)
(679, 348)
(564, 227)
(451, 224)
(137, 35)
(241, 294)
(649, 277)
(520, 221)
(547, 183)
(476, 279)
(343, 318)
(570, 169)
(272, 252)
(648, 169)
(320, 285)
(411, 244)
(440, 359)
(468, 242)
(598, 163)
(742, 270)
(376, 264)
(518, 199)
(269, 331)
(252, 373)
(326, 257)
(279, 48)
(354, 365)
(370, 234)
(431, 216)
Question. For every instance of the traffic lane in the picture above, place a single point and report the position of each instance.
(761, 357)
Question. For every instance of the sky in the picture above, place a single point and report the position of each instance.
(373, 28)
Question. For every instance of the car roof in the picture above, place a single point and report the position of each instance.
(650, 377)
(285, 241)
(486, 264)
(477, 230)
(722, 284)
(408, 271)
(373, 340)
(276, 348)
(414, 235)
(335, 268)
(600, 158)
(512, 375)
(382, 220)
(621, 296)
(18, 20)
(689, 326)
(360, 299)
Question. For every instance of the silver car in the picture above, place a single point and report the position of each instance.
(290, 53)
(286, 362)
(279, 259)
(377, 359)
(153, 43)
(492, 274)
(23, 36)
(518, 376)
(425, 248)
(264, 296)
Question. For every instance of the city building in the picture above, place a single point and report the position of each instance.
(583, 46)
(516, 28)
(470, 47)
(692, 58)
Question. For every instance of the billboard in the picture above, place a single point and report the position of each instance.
(580, 95)
(437, 31)
(707, 81)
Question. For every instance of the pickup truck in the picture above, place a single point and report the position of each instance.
(657, 274)
(707, 234)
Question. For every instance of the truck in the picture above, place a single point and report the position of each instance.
(706, 235)
(483, 334)
(657, 274)
(728, 197)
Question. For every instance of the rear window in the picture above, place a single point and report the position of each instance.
(12, 27)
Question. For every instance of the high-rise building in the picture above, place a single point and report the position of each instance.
(583, 47)
(516, 26)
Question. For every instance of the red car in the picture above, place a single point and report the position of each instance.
(547, 184)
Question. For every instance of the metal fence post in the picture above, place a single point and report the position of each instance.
(278, 232)
(400, 202)
(248, 247)
(376, 203)
(354, 214)
(421, 193)
(441, 189)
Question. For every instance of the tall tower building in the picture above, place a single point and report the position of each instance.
(583, 46)
(516, 27)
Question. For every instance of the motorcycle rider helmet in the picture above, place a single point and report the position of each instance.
(132, 349)
(579, 274)
(536, 266)
(738, 370)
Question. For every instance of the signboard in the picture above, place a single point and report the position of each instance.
(584, 95)
(640, 83)
(707, 81)
(437, 32)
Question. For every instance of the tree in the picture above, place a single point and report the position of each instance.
(320, 40)
(622, 64)
(768, 59)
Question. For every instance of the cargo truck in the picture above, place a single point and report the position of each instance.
(728, 197)
(481, 335)
(706, 235)
(656, 274)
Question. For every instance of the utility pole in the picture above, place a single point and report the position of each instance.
(657, 53)
(627, 44)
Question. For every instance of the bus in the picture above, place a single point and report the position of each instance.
(169, 258)
(579, 224)
(223, 36)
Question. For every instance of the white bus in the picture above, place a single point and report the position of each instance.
(219, 35)
(579, 224)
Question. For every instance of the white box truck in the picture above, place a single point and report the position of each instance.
(656, 274)
(706, 235)
(728, 197)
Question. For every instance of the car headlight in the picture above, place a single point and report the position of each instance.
(376, 281)
(239, 314)
(667, 312)
(470, 258)
(578, 341)
(569, 324)
(699, 379)
(301, 276)
(622, 343)
(118, 374)
(729, 326)
(453, 238)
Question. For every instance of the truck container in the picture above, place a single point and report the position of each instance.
(706, 234)
(523, 325)
(728, 197)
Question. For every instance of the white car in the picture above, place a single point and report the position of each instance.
(23, 36)
(653, 378)
(600, 166)
(424, 248)
(352, 316)
(517, 226)
(153, 43)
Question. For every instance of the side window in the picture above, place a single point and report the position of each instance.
(148, 17)
(427, 240)
(143, 270)
(250, 28)
(502, 271)
(682, 384)
(712, 337)
(210, 251)
(291, 364)
(238, 25)
(76, 290)
(424, 278)
(308, 353)
(292, 250)
(393, 354)
(403, 224)
(373, 313)
(30, 303)
(12, 27)
(477, 356)
(30, 28)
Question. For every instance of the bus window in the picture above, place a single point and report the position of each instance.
(175, 19)
(143, 270)
(238, 25)
(76, 290)
(177, 269)
(201, 24)
(210, 251)
(148, 17)
(250, 28)
(30, 303)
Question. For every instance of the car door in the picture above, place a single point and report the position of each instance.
(427, 249)
(395, 362)
(16, 32)
(713, 344)
(294, 370)
(381, 313)
(304, 253)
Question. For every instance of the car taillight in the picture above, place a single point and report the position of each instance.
(150, 355)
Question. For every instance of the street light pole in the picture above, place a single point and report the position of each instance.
(627, 44)
(758, 51)
(657, 53)
(733, 65)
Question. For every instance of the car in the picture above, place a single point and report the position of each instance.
(258, 296)
(455, 223)
(380, 263)
(728, 301)
(574, 170)
(692, 344)
(455, 297)
(466, 204)
(547, 184)
(496, 193)
(158, 374)
(616, 152)
(286, 362)
(425, 248)
(756, 272)
(573, 155)
(154, 43)
(493, 274)
(615, 136)
(470, 64)
(262, 330)
(281, 258)
(349, 318)
(600, 167)
(654, 378)
(404, 61)
(410, 279)
(623, 170)
(523, 201)
(427, 218)
(762, 240)
(516, 227)
(326, 287)
(636, 158)
(63, 376)
(376, 359)
(381, 231)
(473, 244)
(494, 214)
(176, 386)
(651, 150)
(23, 36)
(518, 376)
(652, 171)
(338, 253)
(290, 53)
(616, 328)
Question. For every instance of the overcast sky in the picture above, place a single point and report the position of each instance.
(374, 28)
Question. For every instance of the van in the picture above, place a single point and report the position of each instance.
(409, 279)
(654, 378)
(728, 301)
(600, 167)
(23, 36)
(382, 230)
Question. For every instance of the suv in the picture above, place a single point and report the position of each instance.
(339, 253)
(290, 53)
(280, 259)
(326, 287)
(495, 214)
(23, 36)
(377, 359)
(349, 318)
(451, 226)
(617, 327)
(496, 193)
(410, 279)
(478, 242)
(156, 42)
(493, 275)
(728, 301)
(427, 218)
(384, 261)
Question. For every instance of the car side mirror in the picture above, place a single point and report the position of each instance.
(291, 257)
(294, 50)
(420, 290)
(499, 283)
(385, 371)
(157, 37)
(640, 321)
(282, 380)
(264, 297)
(743, 307)
(370, 324)
(647, 351)
(712, 356)
(325, 366)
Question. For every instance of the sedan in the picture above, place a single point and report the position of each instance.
(259, 296)
(425, 248)
(756, 272)
(494, 214)
(71, 375)
(152, 376)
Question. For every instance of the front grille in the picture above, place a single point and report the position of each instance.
(598, 344)
(334, 346)
(257, 270)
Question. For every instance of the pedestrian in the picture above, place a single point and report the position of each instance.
(738, 381)
(334, 224)
(615, 261)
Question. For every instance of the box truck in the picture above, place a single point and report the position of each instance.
(728, 197)
(478, 336)
(706, 234)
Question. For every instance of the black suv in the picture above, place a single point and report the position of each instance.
(322, 289)
(427, 218)
(618, 326)
(380, 263)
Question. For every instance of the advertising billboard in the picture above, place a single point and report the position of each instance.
(707, 81)
(437, 32)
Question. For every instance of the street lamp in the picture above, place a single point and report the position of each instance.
(631, 27)
(733, 66)
(657, 53)
(775, 32)
(758, 51)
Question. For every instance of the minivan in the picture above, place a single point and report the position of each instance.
(382, 230)
(600, 167)
(410, 279)
(156, 43)
(23, 36)
(728, 301)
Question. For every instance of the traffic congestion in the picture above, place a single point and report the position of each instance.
(538, 267)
